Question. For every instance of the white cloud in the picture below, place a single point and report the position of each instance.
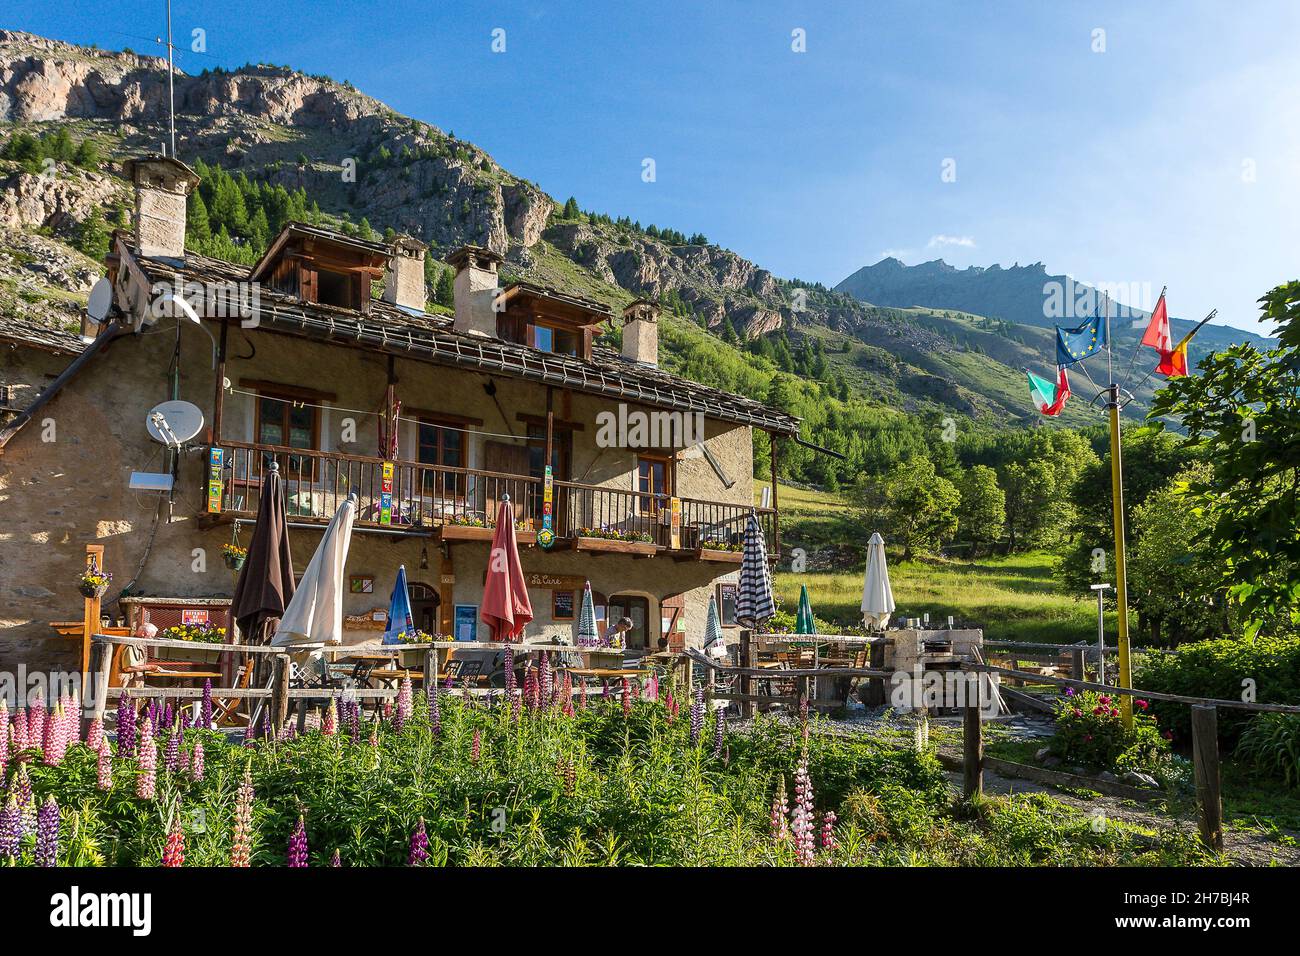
(966, 242)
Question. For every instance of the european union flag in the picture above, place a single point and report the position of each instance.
(1075, 345)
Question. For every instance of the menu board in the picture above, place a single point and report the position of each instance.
(727, 603)
(562, 605)
(466, 622)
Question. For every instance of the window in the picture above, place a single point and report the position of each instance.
(334, 288)
(441, 444)
(288, 423)
(654, 481)
(548, 338)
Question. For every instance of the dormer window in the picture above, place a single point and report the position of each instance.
(322, 266)
(550, 321)
(550, 338)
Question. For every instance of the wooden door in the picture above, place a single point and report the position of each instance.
(502, 459)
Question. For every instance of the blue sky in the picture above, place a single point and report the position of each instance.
(1173, 157)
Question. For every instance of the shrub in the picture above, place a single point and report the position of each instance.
(1217, 669)
(1091, 732)
(1272, 744)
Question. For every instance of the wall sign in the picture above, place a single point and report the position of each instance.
(386, 494)
(546, 536)
(466, 622)
(727, 603)
(216, 458)
(562, 605)
(361, 584)
(194, 616)
(563, 582)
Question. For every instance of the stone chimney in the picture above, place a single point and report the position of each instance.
(475, 288)
(404, 280)
(641, 332)
(161, 185)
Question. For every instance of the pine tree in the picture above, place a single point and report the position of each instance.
(570, 209)
(197, 227)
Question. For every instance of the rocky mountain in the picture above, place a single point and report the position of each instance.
(1026, 295)
(365, 166)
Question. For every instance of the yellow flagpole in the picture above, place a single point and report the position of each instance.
(1125, 678)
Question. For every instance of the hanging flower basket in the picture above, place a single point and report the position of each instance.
(93, 590)
(234, 556)
(93, 582)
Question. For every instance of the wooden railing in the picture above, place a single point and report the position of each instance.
(431, 496)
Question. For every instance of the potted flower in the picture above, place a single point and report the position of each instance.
(94, 582)
(234, 556)
(201, 636)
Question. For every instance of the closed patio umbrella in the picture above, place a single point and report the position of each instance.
(754, 604)
(588, 635)
(714, 643)
(877, 595)
(400, 619)
(314, 617)
(265, 585)
(506, 607)
(803, 622)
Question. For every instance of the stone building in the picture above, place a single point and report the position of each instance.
(431, 419)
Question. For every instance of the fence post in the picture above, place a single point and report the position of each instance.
(876, 685)
(1205, 759)
(973, 748)
(1076, 664)
(430, 668)
(746, 682)
(101, 663)
(280, 691)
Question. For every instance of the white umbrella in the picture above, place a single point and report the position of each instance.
(877, 595)
(314, 617)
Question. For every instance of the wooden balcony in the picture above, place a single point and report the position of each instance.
(461, 504)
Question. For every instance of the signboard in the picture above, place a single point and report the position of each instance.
(562, 605)
(386, 494)
(727, 603)
(675, 523)
(216, 458)
(465, 627)
(567, 582)
(194, 616)
(546, 537)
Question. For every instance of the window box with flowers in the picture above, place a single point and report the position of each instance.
(614, 539)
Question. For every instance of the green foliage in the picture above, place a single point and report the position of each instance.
(1221, 670)
(983, 509)
(31, 151)
(913, 506)
(1091, 732)
(1272, 745)
(234, 218)
(1242, 411)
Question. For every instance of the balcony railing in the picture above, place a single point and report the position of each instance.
(423, 496)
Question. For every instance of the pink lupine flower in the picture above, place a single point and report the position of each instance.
(20, 729)
(330, 721)
(374, 733)
(627, 698)
(36, 723)
(419, 853)
(196, 761)
(475, 747)
(298, 844)
(243, 831)
(544, 685)
(828, 841)
(780, 812)
(402, 712)
(94, 734)
(801, 823)
(670, 708)
(6, 746)
(104, 766)
(174, 850)
(147, 763)
(582, 696)
(52, 735)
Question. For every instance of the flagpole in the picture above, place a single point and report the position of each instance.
(1125, 676)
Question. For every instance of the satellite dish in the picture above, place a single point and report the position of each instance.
(177, 307)
(101, 300)
(174, 423)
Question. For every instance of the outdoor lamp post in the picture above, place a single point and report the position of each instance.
(1101, 590)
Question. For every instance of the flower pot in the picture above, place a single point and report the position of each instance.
(93, 590)
(235, 561)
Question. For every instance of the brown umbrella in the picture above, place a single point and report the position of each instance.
(265, 584)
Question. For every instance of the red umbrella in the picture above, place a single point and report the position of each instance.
(506, 608)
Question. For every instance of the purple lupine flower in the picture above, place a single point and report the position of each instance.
(151, 712)
(719, 733)
(697, 717)
(21, 787)
(104, 766)
(168, 716)
(186, 721)
(125, 727)
(196, 761)
(11, 828)
(474, 747)
(419, 853)
(335, 860)
(205, 709)
(435, 713)
(511, 683)
(298, 844)
(47, 833)
(354, 722)
(172, 751)
(544, 682)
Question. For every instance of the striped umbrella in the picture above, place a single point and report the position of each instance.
(714, 643)
(754, 604)
(588, 635)
(803, 622)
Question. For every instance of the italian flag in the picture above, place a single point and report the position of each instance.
(1049, 398)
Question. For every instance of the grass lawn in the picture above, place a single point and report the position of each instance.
(1012, 598)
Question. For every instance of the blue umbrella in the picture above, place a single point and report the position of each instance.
(400, 619)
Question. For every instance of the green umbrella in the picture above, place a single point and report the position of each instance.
(803, 623)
